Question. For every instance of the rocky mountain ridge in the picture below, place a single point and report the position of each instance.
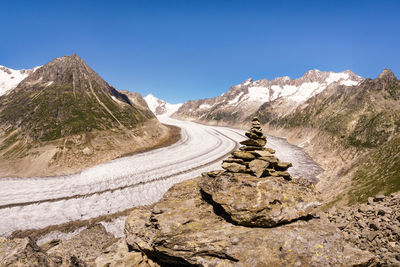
(353, 132)
(241, 100)
(64, 114)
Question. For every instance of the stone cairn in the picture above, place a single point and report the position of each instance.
(253, 158)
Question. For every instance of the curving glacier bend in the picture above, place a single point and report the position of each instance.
(140, 179)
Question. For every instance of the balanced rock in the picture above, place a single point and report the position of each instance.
(251, 201)
(283, 166)
(234, 167)
(258, 167)
(254, 142)
(254, 158)
(243, 155)
(261, 153)
(249, 148)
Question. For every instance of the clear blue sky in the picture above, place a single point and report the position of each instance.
(181, 50)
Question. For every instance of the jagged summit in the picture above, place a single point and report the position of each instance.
(387, 74)
(62, 70)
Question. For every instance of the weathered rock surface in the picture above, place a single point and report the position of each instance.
(184, 229)
(118, 255)
(243, 155)
(251, 201)
(258, 167)
(22, 252)
(84, 247)
(234, 167)
(373, 226)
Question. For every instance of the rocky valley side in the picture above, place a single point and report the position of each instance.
(63, 117)
(348, 124)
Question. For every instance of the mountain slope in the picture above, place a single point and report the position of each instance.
(9, 78)
(66, 105)
(161, 107)
(244, 99)
(353, 132)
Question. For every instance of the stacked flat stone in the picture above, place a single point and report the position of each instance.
(252, 157)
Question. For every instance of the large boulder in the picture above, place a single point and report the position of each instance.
(185, 228)
(22, 252)
(251, 201)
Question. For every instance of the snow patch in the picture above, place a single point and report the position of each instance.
(349, 82)
(334, 77)
(260, 94)
(161, 107)
(203, 106)
(10, 78)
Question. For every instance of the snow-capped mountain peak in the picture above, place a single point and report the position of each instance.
(297, 90)
(10, 78)
(160, 107)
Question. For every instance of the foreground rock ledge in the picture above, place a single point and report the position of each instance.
(251, 201)
(184, 229)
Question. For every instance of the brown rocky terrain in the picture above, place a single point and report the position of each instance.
(372, 226)
(64, 117)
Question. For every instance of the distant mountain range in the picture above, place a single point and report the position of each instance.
(161, 107)
(62, 112)
(242, 100)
